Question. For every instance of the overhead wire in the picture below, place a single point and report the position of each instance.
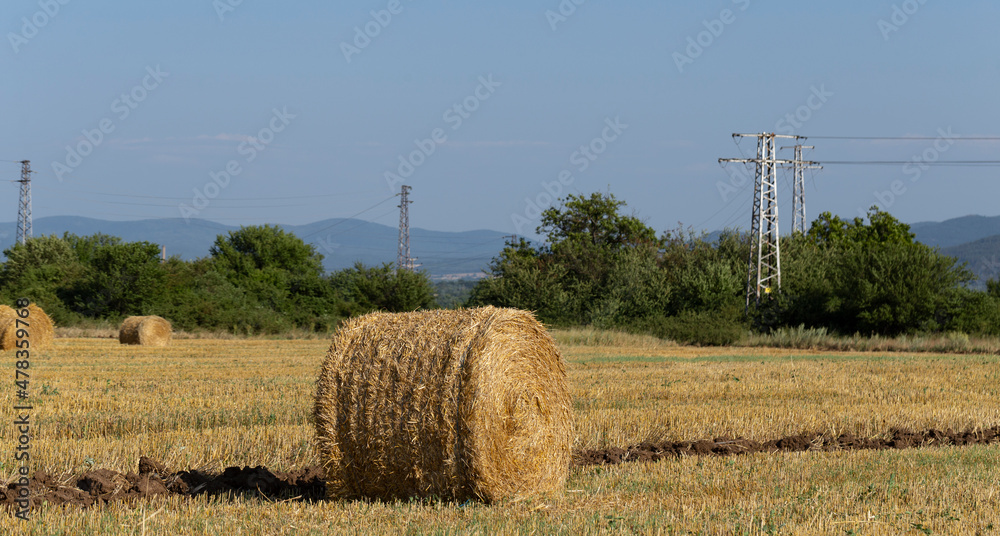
(268, 198)
(726, 205)
(350, 217)
(981, 163)
(362, 224)
(905, 138)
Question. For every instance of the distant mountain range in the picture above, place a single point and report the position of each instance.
(956, 231)
(342, 241)
(974, 240)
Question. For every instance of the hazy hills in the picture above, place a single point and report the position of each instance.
(956, 231)
(341, 241)
(974, 240)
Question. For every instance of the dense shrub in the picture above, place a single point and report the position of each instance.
(708, 328)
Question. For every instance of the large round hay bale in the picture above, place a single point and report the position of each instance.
(41, 330)
(459, 404)
(145, 330)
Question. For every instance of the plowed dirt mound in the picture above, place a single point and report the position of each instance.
(102, 486)
(896, 439)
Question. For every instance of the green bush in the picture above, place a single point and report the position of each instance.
(709, 328)
(636, 288)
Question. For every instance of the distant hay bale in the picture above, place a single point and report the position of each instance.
(455, 404)
(40, 328)
(145, 330)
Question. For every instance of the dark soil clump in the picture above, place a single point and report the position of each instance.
(101, 486)
(897, 438)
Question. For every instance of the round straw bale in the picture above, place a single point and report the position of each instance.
(39, 326)
(459, 404)
(145, 330)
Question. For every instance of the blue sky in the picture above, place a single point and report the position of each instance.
(311, 126)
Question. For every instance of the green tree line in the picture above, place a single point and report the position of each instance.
(258, 279)
(596, 265)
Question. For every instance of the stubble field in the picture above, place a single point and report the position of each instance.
(206, 405)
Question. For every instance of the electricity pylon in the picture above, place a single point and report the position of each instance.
(403, 259)
(24, 207)
(764, 264)
(799, 188)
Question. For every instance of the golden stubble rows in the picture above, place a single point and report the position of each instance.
(209, 404)
(765, 394)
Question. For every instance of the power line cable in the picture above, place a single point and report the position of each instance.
(188, 198)
(350, 217)
(906, 138)
(982, 163)
(349, 229)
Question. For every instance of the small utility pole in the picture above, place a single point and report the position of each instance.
(403, 259)
(24, 207)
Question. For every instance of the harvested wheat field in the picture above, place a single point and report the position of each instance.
(219, 438)
(145, 330)
(38, 325)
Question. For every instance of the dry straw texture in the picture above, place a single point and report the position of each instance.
(145, 330)
(455, 404)
(40, 329)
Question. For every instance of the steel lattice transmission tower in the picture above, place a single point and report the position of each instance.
(799, 188)
(764, 264)
(24, 207)
(403, 259)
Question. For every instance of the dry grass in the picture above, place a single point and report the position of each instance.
(767, 393)
(205, 403)
(459, 404)
(105, 330)
(819, 339)
(592, 337)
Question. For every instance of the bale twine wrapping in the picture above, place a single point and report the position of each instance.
(145, 330)
(41, 330)
(459, 404)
